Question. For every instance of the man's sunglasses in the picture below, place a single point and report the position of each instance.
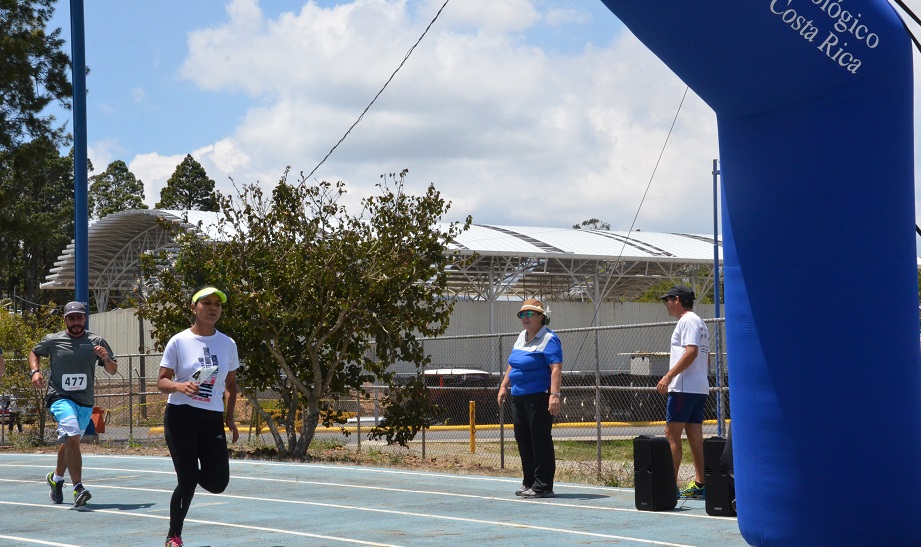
(529, 313)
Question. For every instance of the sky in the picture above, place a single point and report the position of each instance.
(540, 113)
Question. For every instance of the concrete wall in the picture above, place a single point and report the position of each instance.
(120, 327)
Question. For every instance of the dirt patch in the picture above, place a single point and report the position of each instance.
(336, 455)
(108, 450)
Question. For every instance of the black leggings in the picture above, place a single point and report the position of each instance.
(194, 435)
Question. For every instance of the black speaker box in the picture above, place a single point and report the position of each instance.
(720, 486)
(654, 474)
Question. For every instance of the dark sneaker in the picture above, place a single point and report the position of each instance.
(521, 489)
(174, 541)
(693, 492)
(81, 496)
(57, 489)
(530, 493)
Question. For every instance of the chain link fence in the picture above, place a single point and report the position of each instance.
(609, 378)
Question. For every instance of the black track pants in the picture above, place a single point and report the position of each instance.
(194, 436)
(533, 425)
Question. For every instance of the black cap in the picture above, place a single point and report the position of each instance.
(74, 307)
(680, 291)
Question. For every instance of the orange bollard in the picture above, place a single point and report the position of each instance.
(473, 427)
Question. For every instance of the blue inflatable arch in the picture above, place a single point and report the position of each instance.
(814, 108)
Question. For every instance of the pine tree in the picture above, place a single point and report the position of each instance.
(34, 71)
(115, 189)
(189, 188)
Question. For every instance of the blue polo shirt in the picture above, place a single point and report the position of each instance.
(531, 359)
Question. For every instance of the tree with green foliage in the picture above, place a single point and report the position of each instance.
(592, 224)
(654, 293)
(320, 301)
(34, 71)
(189, 188)
(18, 335)
(36, 207)
(36, 214)
(115, 189)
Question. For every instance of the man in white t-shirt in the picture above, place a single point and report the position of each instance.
(686, 385)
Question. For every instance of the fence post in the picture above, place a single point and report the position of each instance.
(598, 417)
(597, 302)
(5, 412)
(142, 375)
(130, 400)
(254, 419)
(721, 414)
(358, 422)
(501, 414)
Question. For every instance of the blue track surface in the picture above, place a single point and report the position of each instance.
(270, 503)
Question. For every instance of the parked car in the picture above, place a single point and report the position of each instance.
(453, 388)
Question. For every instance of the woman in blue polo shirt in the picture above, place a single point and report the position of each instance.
(535, 373)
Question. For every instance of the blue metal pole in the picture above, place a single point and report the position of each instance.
(716, 298)
(81, 208)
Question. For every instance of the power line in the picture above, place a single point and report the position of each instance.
(360, 117)
(648, 185)
(35, 304)
(638, 209)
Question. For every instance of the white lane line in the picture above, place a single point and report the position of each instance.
(431, 516)
(206, 504)
(37, 541)
(372, 470)
(134, 471)
(89, 508)
(556, 502)
(384, 471)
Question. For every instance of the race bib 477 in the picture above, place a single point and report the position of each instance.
(73, 382)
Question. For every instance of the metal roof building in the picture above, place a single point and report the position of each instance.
(503, 262)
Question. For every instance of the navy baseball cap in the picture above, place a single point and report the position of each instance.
(680, 291)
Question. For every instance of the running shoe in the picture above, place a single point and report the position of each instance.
(521, 489)
(81, 496)
(693, 492)
(57, 488)
(174, 541)
(531, 493)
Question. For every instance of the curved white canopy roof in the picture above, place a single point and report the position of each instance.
(594, 244)
(507, 261)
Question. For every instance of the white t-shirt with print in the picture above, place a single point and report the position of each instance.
(186, 353)
(691, 331)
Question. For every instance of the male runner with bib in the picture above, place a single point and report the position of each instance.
(74, 354)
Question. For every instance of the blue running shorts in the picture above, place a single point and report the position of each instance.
(72, 418)
(685, 408)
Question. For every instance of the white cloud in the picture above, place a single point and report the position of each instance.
(509, 131)
(154, 170)
(487, 16)
(138, 94)
(563, 16)
(102, 153)
(225, 156)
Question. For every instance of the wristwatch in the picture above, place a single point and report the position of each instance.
(32, 373)
(555, 393)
